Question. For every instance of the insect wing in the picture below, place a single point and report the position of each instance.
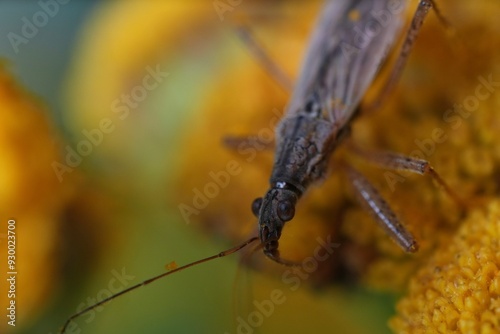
(349, 44)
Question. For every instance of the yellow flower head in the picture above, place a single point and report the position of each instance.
(458, 289)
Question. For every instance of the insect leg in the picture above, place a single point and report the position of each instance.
(263, 58)
(400, 162)
(440, 16)
(246, 36)
(242, 287)
(371, 200)
(250, 141)
(411, 35)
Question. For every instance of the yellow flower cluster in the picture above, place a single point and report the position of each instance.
(30, 194)
(458, 289)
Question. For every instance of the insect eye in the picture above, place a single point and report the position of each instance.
(256, 204)
(286, 210)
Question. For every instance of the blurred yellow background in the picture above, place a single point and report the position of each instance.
(112, 113)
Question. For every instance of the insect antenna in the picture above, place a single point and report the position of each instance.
(151, 280)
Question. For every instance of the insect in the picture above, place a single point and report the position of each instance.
(350, 43)
(348, 47)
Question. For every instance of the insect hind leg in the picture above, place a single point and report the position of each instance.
(418, 19)
(263, 58)
(373, 202)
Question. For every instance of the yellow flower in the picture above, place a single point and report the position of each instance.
(458, 289)
(32, 196)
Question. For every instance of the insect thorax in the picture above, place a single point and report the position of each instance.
(304, 145)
